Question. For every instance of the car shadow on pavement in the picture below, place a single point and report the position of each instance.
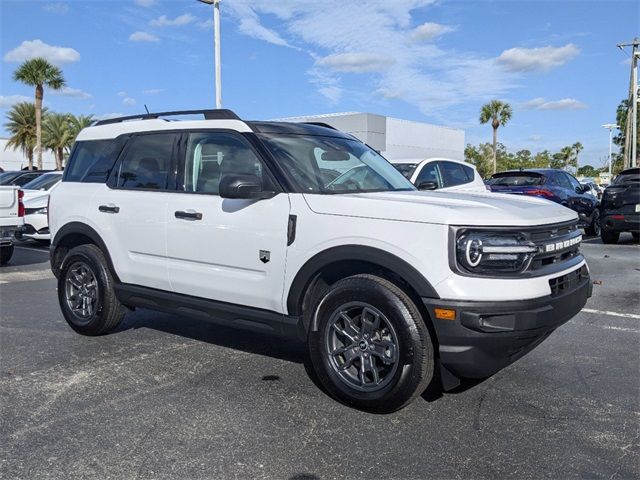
(202, 331)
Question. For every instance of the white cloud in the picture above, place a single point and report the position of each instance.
(152, 91)
(163, 21)
(58, 7)
(429, 31)
(540, 59)
(541, 103)
(106, 116)
(37, 48)
(143, 37)
(250, 24)
(421, 74)
(357, 62)
(128, 101)
(71, 92)
(122, 93)
(534, 138)
(145, 3)
(9, 100)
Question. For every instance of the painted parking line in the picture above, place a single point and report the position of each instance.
(28, 276)
(612, 314)
(33, 249)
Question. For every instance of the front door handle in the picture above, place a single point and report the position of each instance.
(111, 208)
(188, 215)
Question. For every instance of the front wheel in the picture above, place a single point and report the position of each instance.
(86, 292)
(372, 349)
(594, 227)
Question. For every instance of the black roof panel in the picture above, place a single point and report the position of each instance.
(292, 128)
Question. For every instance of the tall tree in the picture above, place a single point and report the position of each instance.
(577, 148)
(39, 73)
(79, 122)
(58, 136)
(21, 126)
(498, 113)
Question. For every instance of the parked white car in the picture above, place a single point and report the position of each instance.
(302, 230)
(444, 174)
(11, 219)
(36, 199)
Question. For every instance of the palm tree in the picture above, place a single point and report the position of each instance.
(58, 136)
(21, 126)
(79, 122)
(499, 113)
(38, 73)
(577, 148)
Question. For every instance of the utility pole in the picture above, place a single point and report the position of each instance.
(610, 127)
(216, 46)
(631, 160)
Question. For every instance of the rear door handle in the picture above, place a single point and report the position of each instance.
(111, 208)
(188, 215)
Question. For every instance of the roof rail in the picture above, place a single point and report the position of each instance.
(320, 124)
(217, 114)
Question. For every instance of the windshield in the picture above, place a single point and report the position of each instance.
(331, 165)
(406, 169)
(516, 180)
(43, 182)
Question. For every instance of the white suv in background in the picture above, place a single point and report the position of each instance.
(444, 174)
(259, 226)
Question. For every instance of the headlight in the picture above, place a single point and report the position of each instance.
(493, 252)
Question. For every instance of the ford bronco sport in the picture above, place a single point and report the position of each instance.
(264, 226)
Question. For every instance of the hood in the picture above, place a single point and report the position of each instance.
(445, 208)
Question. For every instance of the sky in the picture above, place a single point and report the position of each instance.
(436, 61)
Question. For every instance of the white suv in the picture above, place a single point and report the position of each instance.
(246, 224)
(444, 174)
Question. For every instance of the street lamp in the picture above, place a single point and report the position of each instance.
(216, 44)
(610, 127)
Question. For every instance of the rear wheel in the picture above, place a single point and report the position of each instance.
(5, 254)
(86, 293)
(609, 236)
(594, 228)
(372, 349)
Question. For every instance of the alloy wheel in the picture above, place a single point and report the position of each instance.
(81, 291)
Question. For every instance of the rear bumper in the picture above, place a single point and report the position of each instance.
(485, 337)
(621, 222)
(7, 235)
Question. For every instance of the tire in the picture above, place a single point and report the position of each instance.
(399, 352)
(5, 254)
(594, 228)
(84, 275)
(609, 236)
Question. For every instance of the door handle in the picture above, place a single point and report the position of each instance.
(188, 215)
(111, 208)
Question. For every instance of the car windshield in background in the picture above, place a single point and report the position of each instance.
(628, 177)
(331, 165)
(43, 182)
(406, 169)
(516, 180)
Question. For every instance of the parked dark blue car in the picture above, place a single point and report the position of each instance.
(555, 185)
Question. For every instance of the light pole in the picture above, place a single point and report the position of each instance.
(610, 127)
(216, 46)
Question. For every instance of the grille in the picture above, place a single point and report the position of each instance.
(566, 282)
(555, 235)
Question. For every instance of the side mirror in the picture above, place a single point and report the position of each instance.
(427, 186)
(244, 186)
(583, 189)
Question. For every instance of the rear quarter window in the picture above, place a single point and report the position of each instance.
(91, 161)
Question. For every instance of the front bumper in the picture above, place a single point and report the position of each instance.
(485, 337)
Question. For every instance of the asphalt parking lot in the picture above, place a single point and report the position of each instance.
(169, 396)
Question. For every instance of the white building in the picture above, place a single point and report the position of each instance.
(395, 138)
(14, 159)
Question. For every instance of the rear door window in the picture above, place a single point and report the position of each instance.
(147, 161)
(455, 174)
